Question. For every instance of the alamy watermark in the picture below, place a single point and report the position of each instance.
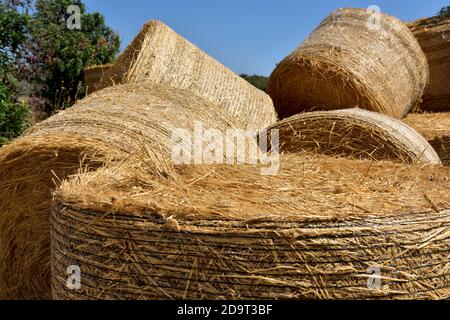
(374, 20)
(234, 146)
(374, 278)
(74, 20)
(74, 280)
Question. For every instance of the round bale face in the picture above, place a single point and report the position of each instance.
(345, 63)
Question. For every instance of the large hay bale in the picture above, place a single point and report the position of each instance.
(346, 64)
(354, 133)
(106, 126)
(316, 230)
(435, 127)
(433, 35)
(93, 76)
(159, 55)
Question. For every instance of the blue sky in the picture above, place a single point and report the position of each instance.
(248, 36)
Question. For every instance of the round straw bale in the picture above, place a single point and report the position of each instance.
(433, 35)
(354, 133)
(323, 228)
(93, 75)
(29, 169)
(159, 55)
(435, 127)
(108, 125)
(344, 63)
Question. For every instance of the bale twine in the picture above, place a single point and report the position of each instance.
(108, 125)
(435, 127)
(433, 35)
(354, 133)
(346, 64)
(92, 77)
(159, 55)
(317, 230)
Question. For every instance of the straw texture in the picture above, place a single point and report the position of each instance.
(93, 76)
(433, 35)
(30, 169)
(218, 232)
(346, 64)
(159, 55)
(435, 127)
(108, 125)
(354, 133)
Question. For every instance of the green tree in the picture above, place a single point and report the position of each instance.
(14, 21)
(259, 82)
(444, 12)
(13, 116)
(43, 59)
(61, 53)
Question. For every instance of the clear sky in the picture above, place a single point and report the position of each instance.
(248, 36)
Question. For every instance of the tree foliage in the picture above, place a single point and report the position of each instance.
(444, 12)
(13, 116)
(43, 59)
(62, 53)
(259, 82)
(14, 22)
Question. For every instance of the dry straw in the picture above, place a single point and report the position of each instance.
(433, 35)
(435, 127)
(159, 55)
(354, 133)
(316, 230)
(347, 62)
(108, 125)
(93, 75)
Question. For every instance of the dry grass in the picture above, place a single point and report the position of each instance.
(226, 232)
(344, 64)
(354, 133)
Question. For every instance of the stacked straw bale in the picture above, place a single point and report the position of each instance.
(346, 64)
(315, 230)
(433, 35)
(435, 127)
(108, 125)
(159, 55)
(93, 76)
(354, 133)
